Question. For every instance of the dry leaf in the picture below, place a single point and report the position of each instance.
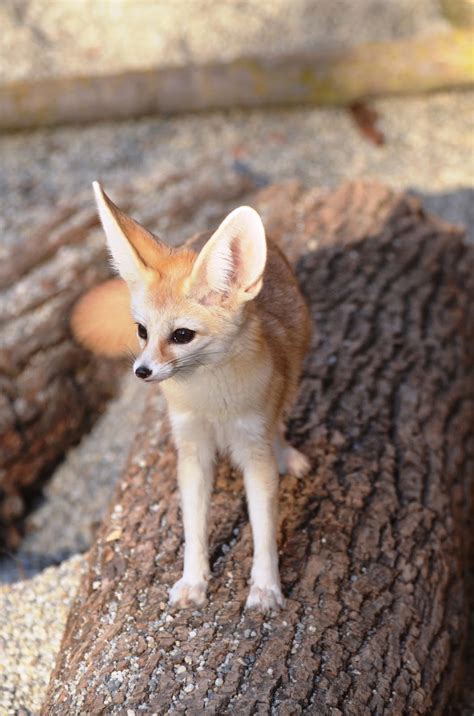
(366, 120)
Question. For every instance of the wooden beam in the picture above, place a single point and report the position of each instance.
(419, 64)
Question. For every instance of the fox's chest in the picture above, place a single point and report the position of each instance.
(218, 395)
(219, 404)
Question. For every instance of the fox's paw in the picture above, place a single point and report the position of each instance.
(186, 594)
(293, 462)
(265, 599)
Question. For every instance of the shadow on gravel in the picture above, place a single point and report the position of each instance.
(16, 568)
(455, 207)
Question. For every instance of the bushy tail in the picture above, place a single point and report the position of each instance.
(101, 320)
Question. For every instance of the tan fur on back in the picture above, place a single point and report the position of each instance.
(285, 322)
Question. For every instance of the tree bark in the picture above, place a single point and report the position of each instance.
(373, 542)
(337, 77)
(50, 389)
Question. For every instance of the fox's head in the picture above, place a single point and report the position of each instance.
(188, 308)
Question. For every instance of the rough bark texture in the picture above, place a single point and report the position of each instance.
(373, 541)
(50, 389)
(413, 65)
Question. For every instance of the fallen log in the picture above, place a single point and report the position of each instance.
(50, 389)
(335, 77)
(373, 543)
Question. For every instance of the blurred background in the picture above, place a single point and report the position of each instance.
(388, 97)
(421, 142)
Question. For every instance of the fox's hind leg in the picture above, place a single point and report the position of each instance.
(290, 460)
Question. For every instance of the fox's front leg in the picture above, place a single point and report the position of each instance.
(261, 484)
(195, 471)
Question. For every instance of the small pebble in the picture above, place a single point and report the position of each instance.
(189, 688)
(218, 682)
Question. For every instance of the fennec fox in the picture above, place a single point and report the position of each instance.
(226, 330)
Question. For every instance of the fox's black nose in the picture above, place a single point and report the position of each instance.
(142, 372)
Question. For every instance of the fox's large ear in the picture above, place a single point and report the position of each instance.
(232, 262)
(133, 249)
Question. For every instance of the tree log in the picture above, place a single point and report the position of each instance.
(337, 77)
(373, 541)
(50, 389)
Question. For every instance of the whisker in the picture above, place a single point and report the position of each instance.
(195, 359)
(131, 356)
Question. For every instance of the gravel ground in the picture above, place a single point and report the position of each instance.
(42, 38)
(428, 149)
(33, 614)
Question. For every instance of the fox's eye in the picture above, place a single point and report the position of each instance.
(182, 335)
(142, 331)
